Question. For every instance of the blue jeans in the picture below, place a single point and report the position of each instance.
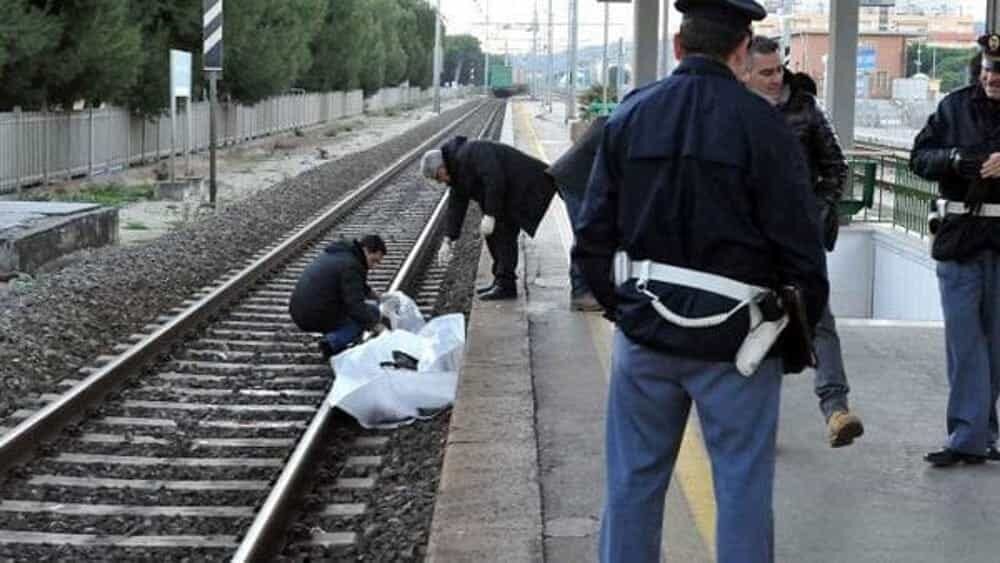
(831, 381)
(573, 203)
(971, 304)
(648, 403)
(345, 334)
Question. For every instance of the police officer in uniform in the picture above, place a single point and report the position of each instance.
(697, 208)
(960, 149)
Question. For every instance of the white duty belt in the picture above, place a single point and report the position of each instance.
(645, 270)
(761, 334)
(946, 207)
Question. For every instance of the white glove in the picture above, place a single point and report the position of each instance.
(487, 226)
(388, 305)
(446, 251)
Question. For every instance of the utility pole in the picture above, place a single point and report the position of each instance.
(571, 101)
(212, 62)
(604, 58)
(620, 78)
(534, 54)
(486, 52)
(437, 58)
(549, 73)
(665, 46)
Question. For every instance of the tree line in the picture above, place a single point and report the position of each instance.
(57, 53)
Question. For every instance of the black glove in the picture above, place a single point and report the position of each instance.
(968, 165)
(831, 225)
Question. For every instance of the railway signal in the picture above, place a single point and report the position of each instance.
(212, 64)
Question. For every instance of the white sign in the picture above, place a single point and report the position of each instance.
(180, 74)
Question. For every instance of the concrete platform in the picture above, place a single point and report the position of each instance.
(523, 478)
(34, 233)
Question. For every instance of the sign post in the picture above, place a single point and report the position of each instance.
(180, 87)
(212, 62)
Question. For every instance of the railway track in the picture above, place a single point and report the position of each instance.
(198, 439)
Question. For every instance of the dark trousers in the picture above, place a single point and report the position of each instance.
(502, 245)
(345, 334)
(574, 201)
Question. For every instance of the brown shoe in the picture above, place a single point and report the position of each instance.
(843, 427)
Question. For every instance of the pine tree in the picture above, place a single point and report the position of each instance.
(98, 54)
(165, 25)
(28, 38)
(417, 27)
(373, 45)
(389, 17)
(461, 53)
(267, 45)
(337, 54)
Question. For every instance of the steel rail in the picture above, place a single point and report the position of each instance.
(265, 537)
(18, 443)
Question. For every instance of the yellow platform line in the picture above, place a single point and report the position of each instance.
(693, 471)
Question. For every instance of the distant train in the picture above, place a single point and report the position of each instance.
(502, 81)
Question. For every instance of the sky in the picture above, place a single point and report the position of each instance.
(469, 16)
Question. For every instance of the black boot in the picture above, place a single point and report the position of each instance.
(486, 288)
(948, 457)
(499, 293)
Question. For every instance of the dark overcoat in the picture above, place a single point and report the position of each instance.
(506, 183)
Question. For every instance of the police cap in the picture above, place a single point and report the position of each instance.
(733, 13)
(991, 51)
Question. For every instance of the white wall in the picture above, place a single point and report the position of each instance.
(881, 273)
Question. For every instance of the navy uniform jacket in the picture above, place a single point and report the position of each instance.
(698, 172)
(969, 121)
(506, 183)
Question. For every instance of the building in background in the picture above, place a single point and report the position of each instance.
(881, 59)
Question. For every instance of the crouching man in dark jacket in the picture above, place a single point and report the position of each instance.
(331, 295)
(510, 187)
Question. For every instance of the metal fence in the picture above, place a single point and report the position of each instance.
(901, 197)
(38, 147)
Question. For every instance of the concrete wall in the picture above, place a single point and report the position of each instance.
(880, 273)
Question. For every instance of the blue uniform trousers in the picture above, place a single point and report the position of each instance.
(831, 380)
(970, 298)
(648, 403)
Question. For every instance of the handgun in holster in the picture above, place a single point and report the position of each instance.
(797, 350)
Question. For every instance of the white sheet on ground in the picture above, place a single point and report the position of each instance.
(387, 397)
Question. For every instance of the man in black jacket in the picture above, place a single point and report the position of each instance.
(331, 295)
(960, 149)
(510, 187)
(794, 95)
(697, 209)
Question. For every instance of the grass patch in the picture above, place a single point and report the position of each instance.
(112, 195)
(136, 226)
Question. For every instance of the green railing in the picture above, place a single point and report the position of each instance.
(885, 190)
